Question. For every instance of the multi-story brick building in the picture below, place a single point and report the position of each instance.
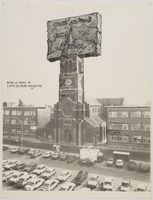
(128, 125)
(26, 118)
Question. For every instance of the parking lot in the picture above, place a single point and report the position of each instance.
(99, 168)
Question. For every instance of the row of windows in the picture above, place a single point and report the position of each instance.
(145, 127)
(125, 114)
(19, 112)
(18, 122)
(134, 139)
(95, 110)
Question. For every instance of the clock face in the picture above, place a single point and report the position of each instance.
(68, 82)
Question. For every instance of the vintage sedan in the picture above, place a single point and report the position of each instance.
(24, 180)
(10, 164)
(68, 186)
(93, 181)
(64, 175)
(40, 169)
(30, 167)
(16, 176)
(47, 154)
(34, 184)
(125, 185)
(48, 173)
(107, 184)
(49, 185)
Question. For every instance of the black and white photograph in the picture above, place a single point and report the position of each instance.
(76, 97)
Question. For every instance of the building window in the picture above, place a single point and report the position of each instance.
(67, 121)
(26, 122)
(32, 122)
(146, 114)
(111, 126)
(13, 121)
(13, 112)
(135, 126)
(27, 113)
(113, 114)
(146, 127)
(33, 112)
(6, 112)
(137, 139)
(146, 140)
(6, 121)
(124, 127)
(18, 112)
(118, 126)
(116, 138)
(123, 114)
(136, 114)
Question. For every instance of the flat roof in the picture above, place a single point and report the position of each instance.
(121, 152)
(130, 106)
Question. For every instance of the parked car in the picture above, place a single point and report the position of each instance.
(35, 154)
(141, 188)
(131, 165)
(15, 177)
(85, 189)
(64, 175)
(49, 185)
(10, 164)
(67, 186)
(110, 162)
(5, 147)
(5, 162)
(55, 155)
(14, 149)
(24, 180)
(119, 163)
(63, 156)
(23, 150)
(40, 169)
(142, 167)
(47, 154)
(93, 181)
(81, 176)
(7, 175)
(19, 166)
(125, 185)
(30, 151)
(48, 173)
(70, 159)
(30, 167)
(107, 184)
(34, 184)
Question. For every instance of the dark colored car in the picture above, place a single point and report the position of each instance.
(19, 166)
(81, 176)
(63, 156)
(5, 147)
(70, 159)
(131, 165)
(23, 150)
(29, 168)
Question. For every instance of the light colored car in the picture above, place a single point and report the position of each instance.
(93, 181)
(14, 149)
(7, 175)
(85, 189)
(119, 163)
(10, 164)
(67, 187)
(30, 151)
(64, 175)
(49, 185)
(16, 176)
(47, 154)
(110, 161)
(48, 173)
(141, 188)
(108, 184)
(24, 180)
(40, 169)
(34, 184)
(125, 185)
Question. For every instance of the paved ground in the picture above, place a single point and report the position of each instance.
(99, 168)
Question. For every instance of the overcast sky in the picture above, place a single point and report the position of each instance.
(123, 69)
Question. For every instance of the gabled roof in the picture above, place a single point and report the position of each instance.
(111, 101)
(95, 121)
(92, 101)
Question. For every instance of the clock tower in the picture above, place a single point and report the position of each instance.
(69, 112)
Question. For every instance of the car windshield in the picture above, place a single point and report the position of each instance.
(62, 173)
(93, 179)
(46, 185)
(31, 183)
(14, 176)
(108, 183)
(39, 168)
(21, 179)
(62, 189)
(125, 184)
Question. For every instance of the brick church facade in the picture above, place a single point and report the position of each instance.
(72, 123)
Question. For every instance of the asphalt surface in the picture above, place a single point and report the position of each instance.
(99, 168)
